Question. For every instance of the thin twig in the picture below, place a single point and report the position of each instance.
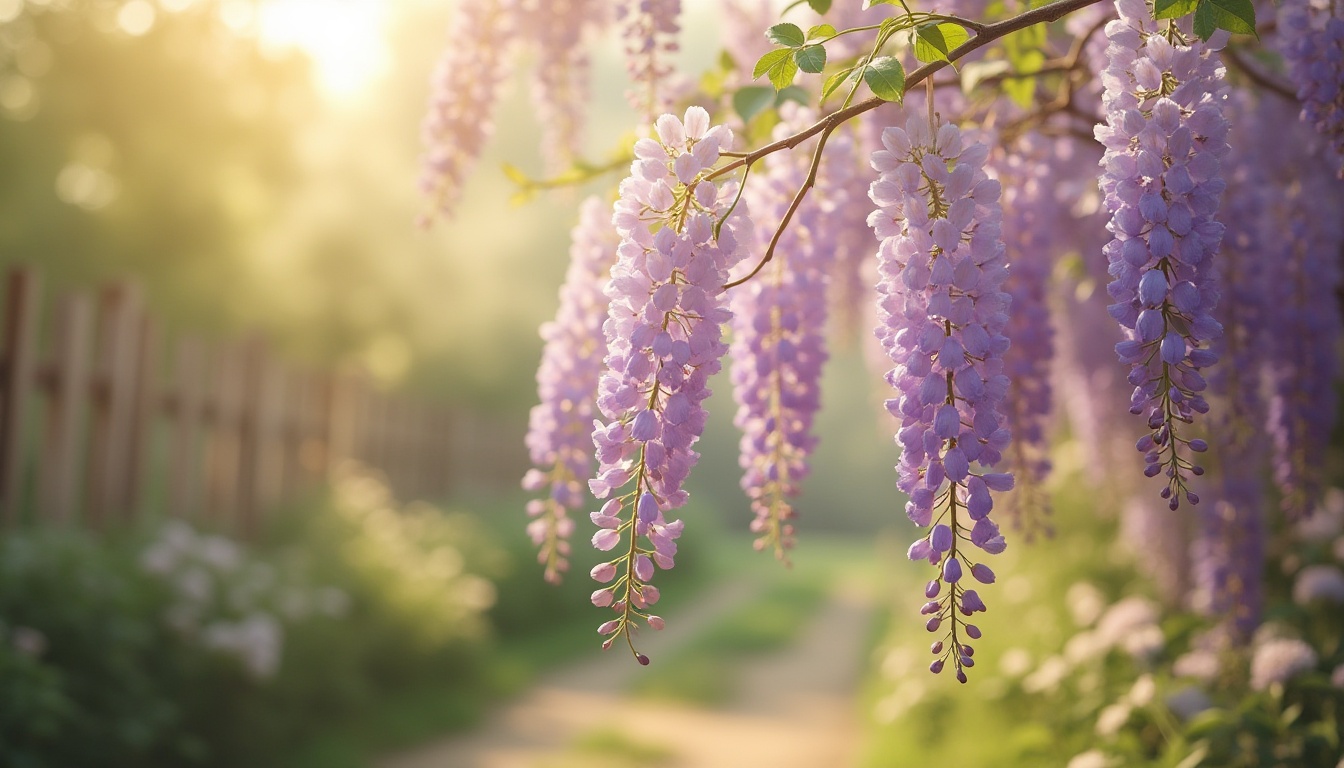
(808, 183)
(1274, 85)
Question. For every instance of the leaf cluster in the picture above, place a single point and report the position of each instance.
(1235, 16)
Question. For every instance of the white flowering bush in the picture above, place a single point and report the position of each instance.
(182, 646)
(1102, 671)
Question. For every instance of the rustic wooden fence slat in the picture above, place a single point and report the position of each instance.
(146, 403)
(227, 435)
(22, 298)
(114, 407)
(184, 464)
(59, 470)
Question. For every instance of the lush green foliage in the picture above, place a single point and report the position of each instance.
(129, 650)
(1060, 683)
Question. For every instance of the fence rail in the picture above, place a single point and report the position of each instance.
(102, 420)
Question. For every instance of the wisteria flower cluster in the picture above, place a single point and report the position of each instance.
(942, 314)
(1314, 52)
(465, 86)
(779, 348)
(679, 235)
(951, 216)
(649, 28)
(559, 437)
(1164, 137)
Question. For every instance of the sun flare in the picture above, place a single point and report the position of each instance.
(343, 38)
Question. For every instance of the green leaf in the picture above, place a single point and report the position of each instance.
(752, 100)
(794, 93)
(810, 58)
(770, 61)
(886, 77)
(1021, 90)
(835, 81)
(786, 34)
(516, 175)
(1173, 9)
(781, 73)
(934, 41)
(870, 3)
(975, 73)
(1236, 16)
(820, 6)
(1196, 756)
(1203, 25)
(820, 31)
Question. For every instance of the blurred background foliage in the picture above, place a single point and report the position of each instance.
(253, 163)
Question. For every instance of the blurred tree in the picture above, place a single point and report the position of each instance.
(150, 146)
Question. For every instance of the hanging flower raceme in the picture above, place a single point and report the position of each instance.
(1164, 135)
(1228, 551)
(1034, 240)
(1313, 49)
(942, 313)
(1304, 362)
(559, 436)
(650, 30)
(679, 237)
(562, 31)
(464, 88)
(779, 345)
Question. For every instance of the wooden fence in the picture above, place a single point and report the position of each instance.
(102, 420)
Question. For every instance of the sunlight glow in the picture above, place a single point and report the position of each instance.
(343, 38)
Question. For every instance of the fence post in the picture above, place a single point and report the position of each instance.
(58, 478)
(259, 430)
(112, 409)
(146, 404)
(222, 456)
(184, 455)
(23, 294)
(344, 392)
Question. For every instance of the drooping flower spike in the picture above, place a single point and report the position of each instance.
(1313, 48)
(650, 30)
(779, 343)
(464, 89)
(1164, 137)
(679, 238)
(942, 313)
(559, 436)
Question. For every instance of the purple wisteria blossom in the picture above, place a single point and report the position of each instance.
(1312, 42)
(1228, 550)
(1306, 328)
(562, 32)
(942, 313)
(779, 345)
(464, 88)
(650, 29)
(559, 436)
(845, 177)
(1164, 137)
(679, 238)
(1029, 170)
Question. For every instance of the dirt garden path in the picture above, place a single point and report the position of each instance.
(796, 708)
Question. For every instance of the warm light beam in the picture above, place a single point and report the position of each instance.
(343, 38)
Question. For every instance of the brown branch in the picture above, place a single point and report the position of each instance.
(991, 32)
(1272, 84)
(808, 183)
